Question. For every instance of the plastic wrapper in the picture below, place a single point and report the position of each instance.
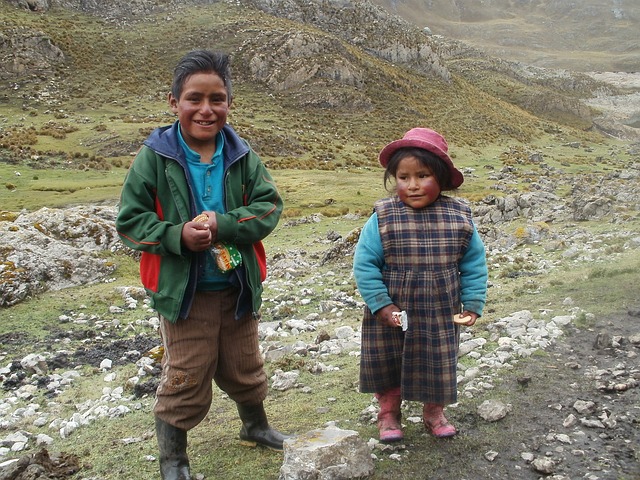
(227, 256)
(401, 320)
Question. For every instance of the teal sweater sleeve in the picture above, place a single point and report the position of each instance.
(368, 263)
(473, 275)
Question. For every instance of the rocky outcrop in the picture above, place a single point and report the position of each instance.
(618, 107)
(115, 9)
(24, 51)
(54, 249)
(366, 26)
(33, 5)
(299, 63)
(285, 60)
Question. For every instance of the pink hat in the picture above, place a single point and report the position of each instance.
(429, 140)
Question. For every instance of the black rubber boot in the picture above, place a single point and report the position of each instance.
(172, 441)
(256, 430)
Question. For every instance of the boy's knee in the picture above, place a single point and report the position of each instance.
(178, 380)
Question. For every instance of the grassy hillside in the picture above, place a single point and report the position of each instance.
(87, 116)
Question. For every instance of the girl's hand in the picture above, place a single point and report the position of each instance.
(196, 236)
(384, 315)
(472, 318)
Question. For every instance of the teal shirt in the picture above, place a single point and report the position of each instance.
(368, 263)
(208, 190)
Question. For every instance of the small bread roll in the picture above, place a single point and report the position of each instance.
(459, 319)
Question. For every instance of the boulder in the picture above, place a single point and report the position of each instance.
(326, 454)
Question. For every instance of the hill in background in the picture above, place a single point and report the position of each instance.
(318, 84)
(589, 35)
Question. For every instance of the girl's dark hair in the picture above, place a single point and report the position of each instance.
(198, 61)
(437, 166)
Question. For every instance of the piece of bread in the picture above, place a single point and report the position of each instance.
(459, 319)
(203, 217)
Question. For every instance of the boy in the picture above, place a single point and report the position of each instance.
(209, 317)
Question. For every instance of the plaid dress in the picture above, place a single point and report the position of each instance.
(422, 249)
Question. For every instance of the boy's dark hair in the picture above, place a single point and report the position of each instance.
(198, 61)
(437, 166)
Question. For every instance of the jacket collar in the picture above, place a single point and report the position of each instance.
(164, 141)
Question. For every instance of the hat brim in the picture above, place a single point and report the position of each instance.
(387, 152)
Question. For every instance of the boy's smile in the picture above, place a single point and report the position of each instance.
(202, 110)
(416, 185)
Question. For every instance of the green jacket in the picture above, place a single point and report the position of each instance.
(157, 200)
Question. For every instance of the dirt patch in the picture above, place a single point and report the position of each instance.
(14, 339)
(120, 352)
(593, 369)
(41, 466)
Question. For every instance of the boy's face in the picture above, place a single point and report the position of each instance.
(202, 109)
(416, 185)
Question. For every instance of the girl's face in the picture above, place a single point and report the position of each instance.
(202, 109)
(416, 185)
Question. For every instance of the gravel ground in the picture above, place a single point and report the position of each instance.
(575, 412)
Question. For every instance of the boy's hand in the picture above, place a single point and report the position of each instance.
(384, 315)
(212, 222)
(196, 236)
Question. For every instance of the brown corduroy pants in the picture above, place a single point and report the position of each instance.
(208, 345)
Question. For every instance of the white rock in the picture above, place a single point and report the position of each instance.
(582, 406)
(543, 465)
(16, 437)
(590, 423)
(41, 421)
(35, 363)
(18, 446)
(570, 421)
(106, 364)
(562, 320)
(344, 332)
(493, 410)
(527, 456)
(43, 439)
(67, 429)
(491, 455)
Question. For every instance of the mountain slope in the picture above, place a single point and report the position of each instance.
(318, 84)
(588, 36)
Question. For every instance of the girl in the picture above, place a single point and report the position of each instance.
(418, 255)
